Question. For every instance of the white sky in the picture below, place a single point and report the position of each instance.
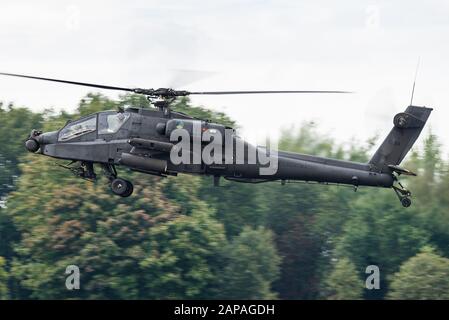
(370, 47)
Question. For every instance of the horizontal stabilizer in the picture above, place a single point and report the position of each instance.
(400, 170)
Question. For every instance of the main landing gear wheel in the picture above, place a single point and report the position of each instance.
(122, 187)
(129, 191)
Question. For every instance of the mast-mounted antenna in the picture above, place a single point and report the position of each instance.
(414, 81)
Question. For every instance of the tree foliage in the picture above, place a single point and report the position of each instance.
(422, 277)
(15, 126)
(252, 265)
(343, 283)
(4, 292)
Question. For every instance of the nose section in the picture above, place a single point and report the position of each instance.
(32, 145)
(48, 138)
(38, 139)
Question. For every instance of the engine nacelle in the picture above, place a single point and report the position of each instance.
(143, 163)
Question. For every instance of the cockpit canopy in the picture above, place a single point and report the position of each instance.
(106, 122)
(111, 122)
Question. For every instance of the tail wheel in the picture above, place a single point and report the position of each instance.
(406, 202)
(122, 187)
(403, 195)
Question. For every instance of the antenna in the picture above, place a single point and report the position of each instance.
(414, 81)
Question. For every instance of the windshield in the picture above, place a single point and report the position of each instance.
(78, 128)
(111, 122)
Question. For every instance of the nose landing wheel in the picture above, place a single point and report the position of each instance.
(122, 187)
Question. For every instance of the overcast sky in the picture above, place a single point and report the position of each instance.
(370, 47)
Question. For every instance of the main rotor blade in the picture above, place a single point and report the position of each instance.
(69, 82)
(168, 92)
(269, 91)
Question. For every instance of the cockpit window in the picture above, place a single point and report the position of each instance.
(111, 122)
(78, 128)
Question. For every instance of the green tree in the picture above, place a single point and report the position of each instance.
(430, 189)
(8, 235)
(3, 280)
(252, 265)
(184, 260)
(422, 277)
(95, 102)
(304, 218)
(344, 283)
(141, 247)
(236, 204)
(380, 232)
(15, 126)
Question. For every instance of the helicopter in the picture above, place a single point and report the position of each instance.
(163, 142)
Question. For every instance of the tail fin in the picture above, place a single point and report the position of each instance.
(407, 127)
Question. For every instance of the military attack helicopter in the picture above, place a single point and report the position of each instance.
(148, 140)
